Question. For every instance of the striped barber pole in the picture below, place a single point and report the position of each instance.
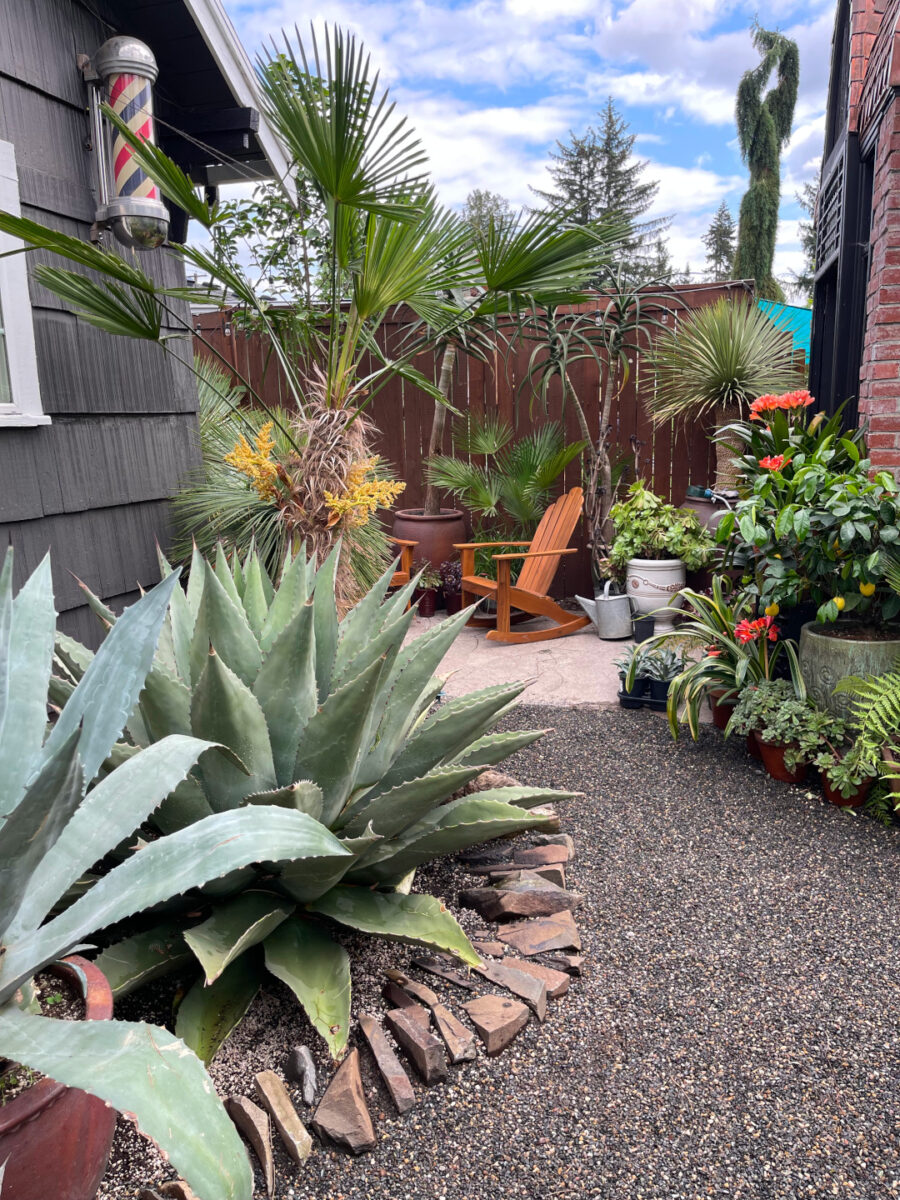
(130, 98)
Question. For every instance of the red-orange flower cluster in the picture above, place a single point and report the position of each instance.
(752, 631)
(773, 462)
(789, 402)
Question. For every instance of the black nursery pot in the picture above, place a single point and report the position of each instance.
(659, 694)
(643, 628)
(634, 696)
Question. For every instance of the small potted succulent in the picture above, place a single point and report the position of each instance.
(451, 585)
(661, 667)
(633, 677)
(426, 591)
(845, 771)
(789, 730)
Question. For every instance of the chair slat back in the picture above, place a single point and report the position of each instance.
(556, 528)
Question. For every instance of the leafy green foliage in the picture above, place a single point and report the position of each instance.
(876, 713)
(647, 527)
(776, 713)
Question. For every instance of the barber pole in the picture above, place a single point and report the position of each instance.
(130, 201)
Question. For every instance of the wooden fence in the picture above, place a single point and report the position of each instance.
(668, 458)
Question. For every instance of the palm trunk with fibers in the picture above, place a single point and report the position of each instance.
(432, 506)
(599, 477)
(728, 471)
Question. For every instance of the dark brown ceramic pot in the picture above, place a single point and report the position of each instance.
(721, 709)
(55, 1140)
(435, 535)
(426, 598)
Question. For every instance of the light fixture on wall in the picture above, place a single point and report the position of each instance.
(122, 73)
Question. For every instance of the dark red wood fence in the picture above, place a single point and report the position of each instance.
(669, 458)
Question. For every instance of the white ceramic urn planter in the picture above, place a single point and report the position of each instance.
(653, 585)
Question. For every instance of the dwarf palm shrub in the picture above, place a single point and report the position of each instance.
(331, 719)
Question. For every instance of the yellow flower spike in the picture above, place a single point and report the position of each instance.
(867, 589)
(257, 463)
(839, 603)
(772, 610)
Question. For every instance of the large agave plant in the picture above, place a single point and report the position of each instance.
(69, 797)
(326, 719)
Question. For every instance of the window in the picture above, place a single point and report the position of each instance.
(20, 396)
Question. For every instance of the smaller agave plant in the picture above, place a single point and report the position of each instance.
(69, 796)
(334, 720)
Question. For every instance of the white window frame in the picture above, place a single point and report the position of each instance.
(15, 301)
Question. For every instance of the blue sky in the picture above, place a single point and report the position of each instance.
(491, 84)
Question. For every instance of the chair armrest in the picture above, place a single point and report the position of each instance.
(402, 542)
(532, 553)
(485, 545)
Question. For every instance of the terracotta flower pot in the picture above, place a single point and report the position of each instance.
(55, 1140)
(855, 800)
(773, 761)
(435, 535)
(753, 745)
(721, 709)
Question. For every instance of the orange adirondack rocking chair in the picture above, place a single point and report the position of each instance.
(529, 595)
(404, 572)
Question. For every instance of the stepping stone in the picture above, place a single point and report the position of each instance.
(459, 1041)
(300, 1068)
(488, 780)
(484, 857)
(572, 964)
(532, 991)
(396, 997)
(436, 967)
(495, 949)
(175, 1189)
(291, 1129)
(546, 933)
(422, 1048)
(395, 1078)
(525, 895)
(556, 839)
(253, 1123)
(556, 982)
(501, 867)
(541, 856)
(497, 1020)
(552, 821)
(555, 873)
(342, 1115)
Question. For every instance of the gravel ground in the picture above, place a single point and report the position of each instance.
(736, 1030)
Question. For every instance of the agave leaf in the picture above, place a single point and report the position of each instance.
(387, 642)
(225, 576)
(317, 970)
(292, 594)
(308, 881)
(184, 805)
(360, 625)
(208, 1014)
(303, 796)
(97, 607)
(35, 824)
(495, 747)
(224, 710)
(419, 920)
(109, 690)
(182, 621)
(326, 623)
(137, 960)
(30, 623)
(72, 656)
(256, 606)
(146, 1072)
(456, 826)
(165, 705)
(109, 812)
(6, 617)
(526, 797)
(393, 811)
(332, 741)
(234, 927)
(169, 867)
(286, 690)
(227, 630)
(448, 732)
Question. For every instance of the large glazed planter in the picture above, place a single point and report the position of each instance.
(653, 585)
(436, 535)
(55, 1140)
(829, 653)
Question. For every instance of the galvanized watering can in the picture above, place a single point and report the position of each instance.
(611, 613)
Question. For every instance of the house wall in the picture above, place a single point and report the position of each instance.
(93, 485)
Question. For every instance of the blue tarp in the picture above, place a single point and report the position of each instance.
(793, 318)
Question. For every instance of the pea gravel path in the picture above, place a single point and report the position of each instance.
(737, 1030)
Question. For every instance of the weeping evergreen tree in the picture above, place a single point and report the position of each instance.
(764, 126)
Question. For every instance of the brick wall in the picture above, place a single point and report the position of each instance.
(879, 388)
(865, 23)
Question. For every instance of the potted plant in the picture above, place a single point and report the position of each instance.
(633, 677)
(655, 542)
(788, 728)
(67, 805)
(451, 585)
(715, 362)
(875, 713)
(426, 590)
(661, 667)
(844, 770)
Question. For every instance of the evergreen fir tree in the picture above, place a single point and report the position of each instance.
(596, 177)
(803, 279)
(719, 243)
(764, 126)
(482, 204)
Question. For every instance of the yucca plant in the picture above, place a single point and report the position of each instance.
(331, 720)
(70, 797)
(716, 361)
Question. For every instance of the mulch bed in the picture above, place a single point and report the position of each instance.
(736, 1032)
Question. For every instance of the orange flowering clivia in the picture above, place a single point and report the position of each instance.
(787, 402)
(752, 631)
(773, 462)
